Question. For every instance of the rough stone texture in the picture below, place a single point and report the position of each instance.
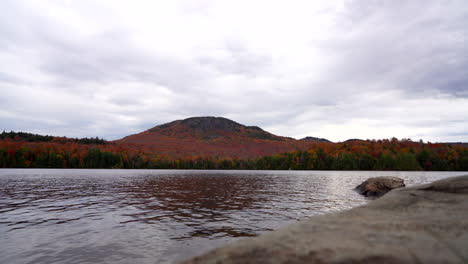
(378, 186)
(423, 224)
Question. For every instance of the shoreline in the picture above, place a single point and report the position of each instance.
(420, 224)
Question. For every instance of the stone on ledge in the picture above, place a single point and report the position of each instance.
(378, 186)
(422, 224)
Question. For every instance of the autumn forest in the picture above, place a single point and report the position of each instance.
(24, 150)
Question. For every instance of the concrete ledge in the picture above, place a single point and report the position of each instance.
(422, 224)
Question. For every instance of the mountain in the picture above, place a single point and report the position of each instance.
(353, 140)
(212, 136)
(211, 128)
(316, 139)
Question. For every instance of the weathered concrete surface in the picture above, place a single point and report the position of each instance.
(424, 224)
(378, 186)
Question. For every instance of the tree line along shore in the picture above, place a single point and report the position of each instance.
(387, 154)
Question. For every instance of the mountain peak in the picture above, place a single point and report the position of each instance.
(210, 127)
(201, 124)
(209, 123)
(316, 139)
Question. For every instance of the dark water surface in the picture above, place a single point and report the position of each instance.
(160, 216)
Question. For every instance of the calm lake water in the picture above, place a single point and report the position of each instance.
(160, 216)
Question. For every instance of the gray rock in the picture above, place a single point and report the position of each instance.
(423, 224)
(378, 186)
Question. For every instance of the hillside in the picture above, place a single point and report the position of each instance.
(219, 143)
(211, 136)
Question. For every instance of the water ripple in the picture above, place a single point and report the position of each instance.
(122, 216)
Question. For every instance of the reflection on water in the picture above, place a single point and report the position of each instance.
(144, 216)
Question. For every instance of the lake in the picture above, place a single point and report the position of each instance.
(161, 216)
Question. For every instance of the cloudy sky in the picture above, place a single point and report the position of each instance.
(332, 69)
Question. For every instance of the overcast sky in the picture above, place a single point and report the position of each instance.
(332, 69)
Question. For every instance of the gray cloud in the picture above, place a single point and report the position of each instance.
(237, 59)
(6, 78)
(410, 46)
(111, 58)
